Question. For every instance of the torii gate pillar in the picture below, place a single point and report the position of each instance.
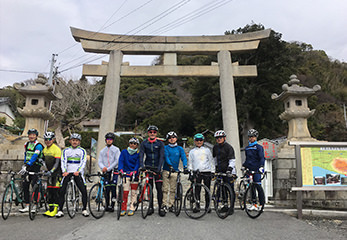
(111, 95)
(227, 93)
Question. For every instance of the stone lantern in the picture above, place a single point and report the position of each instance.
(296, 108)
(38, 94)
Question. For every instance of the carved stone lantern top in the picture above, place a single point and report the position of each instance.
(293, 88)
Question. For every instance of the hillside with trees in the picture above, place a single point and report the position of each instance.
(190, 105)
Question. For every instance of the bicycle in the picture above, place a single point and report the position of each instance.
(251, 194)
(72, 197)
(145, 193)
(193, 206)
(222, 196)
(96, 197)
(178, 194)
(12, 190)
(38, 195)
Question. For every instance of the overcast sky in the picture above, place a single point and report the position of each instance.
(31, 31)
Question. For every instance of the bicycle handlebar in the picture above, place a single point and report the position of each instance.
(247, 171)
(173, 171)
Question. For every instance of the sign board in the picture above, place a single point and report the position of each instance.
(324, 165)
(270, 148)
(93, 147)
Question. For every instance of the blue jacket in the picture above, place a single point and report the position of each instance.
(173, 156)
(129, 163)
(254, 157)
(154, 154)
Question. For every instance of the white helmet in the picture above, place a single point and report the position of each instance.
(171, 134)
(76, 136)
(219, 133)
(134, 140)
(48, 135)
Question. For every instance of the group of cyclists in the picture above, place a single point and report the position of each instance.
(163, 160)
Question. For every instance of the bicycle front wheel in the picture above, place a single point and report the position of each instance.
(223, 200)
(197, 201)
(119, 200)
(254, 200)
(6, 204)
(71, 199)
(146, 198)
(96, 201)
(178, 199)
(241, 195)
(138, 196)
(35, 200)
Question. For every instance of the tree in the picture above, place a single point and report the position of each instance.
(77, 105)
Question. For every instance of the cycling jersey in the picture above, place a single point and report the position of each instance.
(73, 159)
(254, 156)
(109, 157)
(173, 154)
(33, 152)
(52, 157)
(200, 158)
(224, 156)
(154, 152)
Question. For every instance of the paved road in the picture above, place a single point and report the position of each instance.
(270, 225)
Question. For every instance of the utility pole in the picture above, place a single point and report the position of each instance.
(50, 82)
(344, 113)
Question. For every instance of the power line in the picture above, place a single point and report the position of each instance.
(149, 23)
(174, 24)
(20, 71)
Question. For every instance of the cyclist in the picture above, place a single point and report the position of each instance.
(108, 161)
(153, 149)
(173, 155)
(51, 156)
(129, 163)
(224, 156)
(255, 160)
(32, 163)
(73, 161)
(200, 158)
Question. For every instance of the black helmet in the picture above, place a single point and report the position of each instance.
(252, 133)
(171, 134)
(110, 135)
(33, 131)
(152, 127)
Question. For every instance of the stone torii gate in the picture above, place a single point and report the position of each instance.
(169, 47)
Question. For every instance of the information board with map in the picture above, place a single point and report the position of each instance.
(324, 166)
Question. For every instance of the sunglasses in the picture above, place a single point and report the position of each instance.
(132, 143)
(152, 132)
(48, 139)
(199, 140)
(109, 139)
(219, 137)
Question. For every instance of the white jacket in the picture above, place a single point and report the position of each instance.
(73, 159)
(109, 157)
(201, 159)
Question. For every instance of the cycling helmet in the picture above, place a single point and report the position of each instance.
(48, 135)
(171, 134)
(219, 133)
(134, 140)
(252, 133)
(110, 135)
(76, 136)
(152, 127)
(33, 131)
(199, 136)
